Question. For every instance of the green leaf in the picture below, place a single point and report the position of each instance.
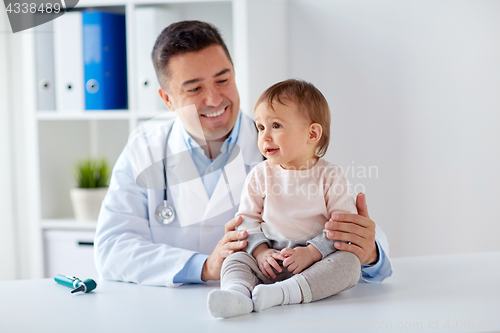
(92, 173)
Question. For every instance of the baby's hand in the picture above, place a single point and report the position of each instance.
(300, 258)
(266, 259)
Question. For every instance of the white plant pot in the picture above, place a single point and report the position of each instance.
(87, 202)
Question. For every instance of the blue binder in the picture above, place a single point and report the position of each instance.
(105, 60)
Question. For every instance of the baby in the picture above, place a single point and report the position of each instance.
(285, 203)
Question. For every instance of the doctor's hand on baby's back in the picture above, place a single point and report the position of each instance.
(357, 231)
(232, 241)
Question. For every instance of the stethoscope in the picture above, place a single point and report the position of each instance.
(164, 213)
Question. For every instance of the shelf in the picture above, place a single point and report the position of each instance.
(165, 115)
(102, 115)
(68, 224)
(90, 115)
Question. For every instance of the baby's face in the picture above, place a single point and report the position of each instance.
(283, 135)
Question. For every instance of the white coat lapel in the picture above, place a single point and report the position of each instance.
(184, 181)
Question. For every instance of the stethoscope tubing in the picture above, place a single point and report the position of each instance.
(165, 214)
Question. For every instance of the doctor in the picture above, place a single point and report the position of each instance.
(194, 67)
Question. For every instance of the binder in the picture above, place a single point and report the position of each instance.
(45, 77)
(68, 62)
(149, 23)
(105, 61)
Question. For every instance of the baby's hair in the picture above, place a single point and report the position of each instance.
(310, 102)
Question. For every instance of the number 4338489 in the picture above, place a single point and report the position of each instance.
(25, 8)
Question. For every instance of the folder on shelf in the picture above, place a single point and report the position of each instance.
(105, 61)
(149, 23)
(68, 62)
(44, 48)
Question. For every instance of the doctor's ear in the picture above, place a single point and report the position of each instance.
(166, 98)
(315, 132)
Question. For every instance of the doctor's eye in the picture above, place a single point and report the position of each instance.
(222, 81)
(194, 89)
(276, 125)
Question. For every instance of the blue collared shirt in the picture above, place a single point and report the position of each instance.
(210, 172)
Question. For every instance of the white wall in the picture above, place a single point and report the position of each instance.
(414, 89)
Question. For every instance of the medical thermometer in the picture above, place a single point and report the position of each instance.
(74, 282)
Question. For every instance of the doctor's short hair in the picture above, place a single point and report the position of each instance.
(309, 101)
(180, 38)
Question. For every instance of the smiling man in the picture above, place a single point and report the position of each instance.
(194, 67)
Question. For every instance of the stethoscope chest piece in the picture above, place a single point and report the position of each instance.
(165, 214)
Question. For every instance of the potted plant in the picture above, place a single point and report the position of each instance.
(92, 177)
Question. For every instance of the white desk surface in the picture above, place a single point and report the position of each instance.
(454, 293)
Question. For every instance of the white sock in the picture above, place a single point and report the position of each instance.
(279, 293)
(232, 301)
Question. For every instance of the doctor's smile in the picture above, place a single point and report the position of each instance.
(215, 114)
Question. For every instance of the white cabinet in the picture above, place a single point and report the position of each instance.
(255, 33)
(69, 252)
